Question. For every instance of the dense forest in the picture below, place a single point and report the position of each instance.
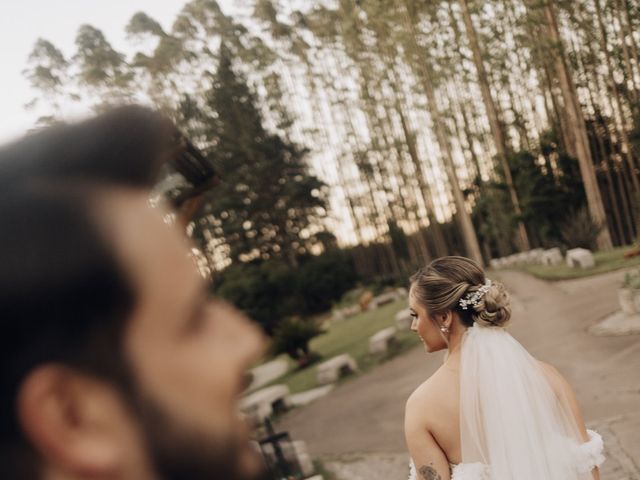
(398, 130)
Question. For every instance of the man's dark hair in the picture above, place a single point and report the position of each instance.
(63, 296)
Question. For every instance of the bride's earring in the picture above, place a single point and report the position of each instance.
(444, 329)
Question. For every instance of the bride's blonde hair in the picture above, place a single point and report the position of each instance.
(442, 283)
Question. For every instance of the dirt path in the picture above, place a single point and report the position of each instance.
(357, 429)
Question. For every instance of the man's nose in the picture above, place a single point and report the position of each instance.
(255, 342)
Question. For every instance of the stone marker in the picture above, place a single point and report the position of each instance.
(264, 403)
(381, 341)
(580, 258)
(384, 299)
(535, 255)
(334, 368)
(551, 257)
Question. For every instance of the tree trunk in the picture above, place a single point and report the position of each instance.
(578, 129)
(616, 96)
(468, 232)
(494, 122)
(626, 32)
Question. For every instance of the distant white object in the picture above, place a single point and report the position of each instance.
(294, 453)
(381, 341)
(308, 396)
(402, 292)
(625, 321)
(580, 258)
(267, 372)
(404, 319)
(304, 459)
(535, 255)
(385, 298)
(521, 258)
(264, 403)
(346, 312)
(502, 262)
(551, 257)
(334, 368)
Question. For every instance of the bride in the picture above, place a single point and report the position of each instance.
(491, 411)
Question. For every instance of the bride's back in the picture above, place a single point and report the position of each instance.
(439, 400)
(491, 406)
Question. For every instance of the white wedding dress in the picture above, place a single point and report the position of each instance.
(513, 425)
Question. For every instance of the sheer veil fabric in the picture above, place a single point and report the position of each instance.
(513, 425)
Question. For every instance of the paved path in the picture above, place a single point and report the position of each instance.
(357, 429)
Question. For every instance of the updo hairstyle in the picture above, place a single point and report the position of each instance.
(442, 283)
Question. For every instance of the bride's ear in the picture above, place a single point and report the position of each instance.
(445, 319)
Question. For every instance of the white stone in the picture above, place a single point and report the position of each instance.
(267, 372)
(381, 341)
(510, 261)
(627, 301)
(580, 258)
(551, 257)
(304, 459)
(402, 292)
(502, 262)
(263, 403)
(383, 299)
(334, 368)
(351, 311)
(340, 314)
(535, 255)
(404, 319)
(618, 323)
(521, 258)
(308, 396)
(495, 263)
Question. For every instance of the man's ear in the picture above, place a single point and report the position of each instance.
(68, 418)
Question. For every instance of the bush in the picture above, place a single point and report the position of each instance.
(632, 280)
(270, 291)
(322, 280)
(265, 292)
(580, 230)
(292, 336)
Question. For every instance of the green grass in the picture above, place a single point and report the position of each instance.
(351, 336)
(606, 261)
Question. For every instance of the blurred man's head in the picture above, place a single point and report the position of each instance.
(114, 363)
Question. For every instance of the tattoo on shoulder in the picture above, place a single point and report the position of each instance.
(429, 473)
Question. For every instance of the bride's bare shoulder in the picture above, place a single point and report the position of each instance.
(428, 393)
(558, 383)
(565, 393)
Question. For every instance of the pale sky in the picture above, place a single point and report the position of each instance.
(22, 22)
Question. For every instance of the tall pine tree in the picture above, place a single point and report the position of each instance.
(268, 205)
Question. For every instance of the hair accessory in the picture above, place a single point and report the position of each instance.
(474, 298)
